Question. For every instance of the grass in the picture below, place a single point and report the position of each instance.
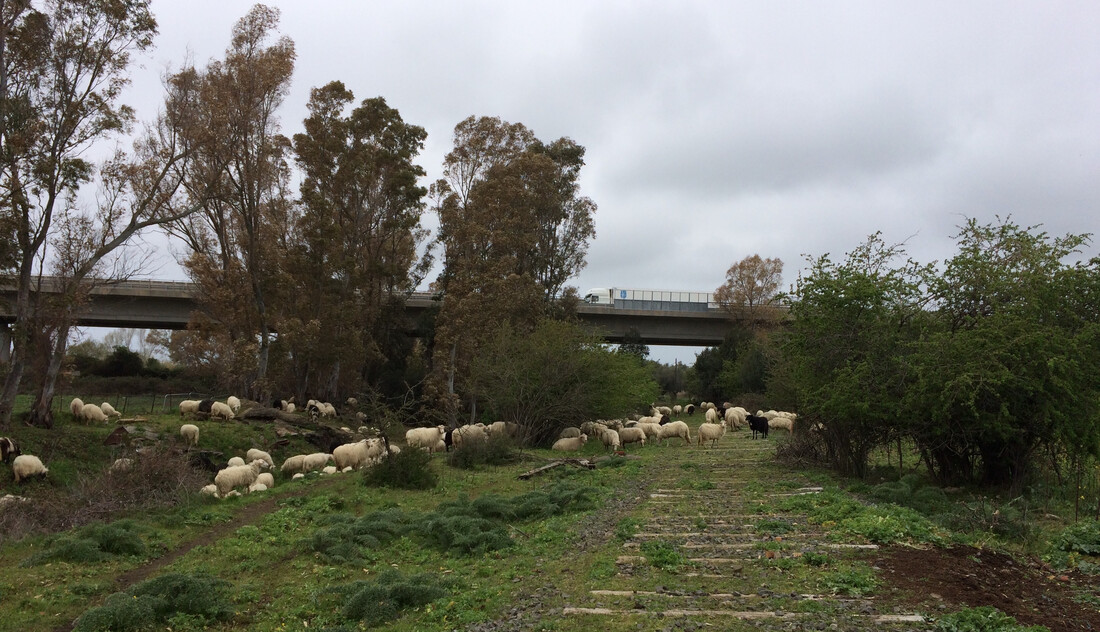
(335, 553)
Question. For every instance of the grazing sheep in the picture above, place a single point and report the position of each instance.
(315, 461)
(610, 439)
(468, 434)
(440, 446)
(711, 416)
(351, 401)
(109, 410)
(632, 435)
(206, 405)
(356, 455)
(675, 429)
(330, 469)
(254, 454)
(9, 449)
(711, 432)
(571, 444)
(570, 432)
(758, 424)
(238, 476)
(189, 406)
(689, 409)
(293, 465)
(651, 429)
(289, 407)
(735, 418)
(190, 433)
(677, 409)
(781, 423)
(209, 490)
(425, 438)
(121, 465)
(235, 461)
(266, 478)
(220, 410)
(91, 412)
(76, 406)
(297, 476)
(233, 402)
(26, 465)
(257, 487)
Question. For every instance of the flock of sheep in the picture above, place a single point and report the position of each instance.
(658, 426)
(250, 472)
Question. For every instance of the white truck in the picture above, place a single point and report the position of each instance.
(664, 300)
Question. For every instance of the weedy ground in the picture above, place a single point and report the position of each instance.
(670, 537)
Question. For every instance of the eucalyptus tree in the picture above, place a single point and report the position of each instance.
(514, 228)
(63, 66)
(354, 257)
(237, 241)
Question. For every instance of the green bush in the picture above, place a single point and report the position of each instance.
(409, 469)
(348, 537)
(93, 543)
(662, 554)
(157, 600)
(884, 525)
(983, 619)
(377, 602)
(1083, 537)
(497, 449)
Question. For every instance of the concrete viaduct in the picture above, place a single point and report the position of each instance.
(168, 305)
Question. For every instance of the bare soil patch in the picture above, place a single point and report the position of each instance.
(939, 580)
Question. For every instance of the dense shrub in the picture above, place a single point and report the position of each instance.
(347, 537)
(495, 450)
(157, 600)
(983, 619)
(377, 602)
(409, 469)
(93, 543)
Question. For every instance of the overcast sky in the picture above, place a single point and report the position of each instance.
(718, 130)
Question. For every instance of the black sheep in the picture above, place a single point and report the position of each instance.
(758, 424)
(9, 449)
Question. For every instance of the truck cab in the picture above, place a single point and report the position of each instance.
(599, 296)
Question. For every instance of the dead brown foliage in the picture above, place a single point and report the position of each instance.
(157, 479)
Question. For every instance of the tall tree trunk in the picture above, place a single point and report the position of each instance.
(20, 343)
(41, 411)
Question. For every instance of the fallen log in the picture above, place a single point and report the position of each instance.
(584, 463)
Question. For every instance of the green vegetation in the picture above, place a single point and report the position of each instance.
(983, 619)
(170, 598)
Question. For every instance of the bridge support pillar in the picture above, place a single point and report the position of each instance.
(5, 343)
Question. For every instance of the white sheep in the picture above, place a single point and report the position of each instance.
(209, 490)
(632, 435)
(26, 465)
(121, 465)
(711, 432)
(570, 432)
(76, 406)
(91, 412)
(289, 407)
(469, 433)
(675, 429)
(190, 433)
(297, 476)
(330, 469)
(109, 410)
(610, 439)
(293, 465)
(220, 410)
(651, 429)
(189, 406)
(677, 409)
(254, 453)
(257, 487)
(711, 416)
(315, 461)
(351, 401)
(781, 423)
(233, 402)
(440, 446)
(572, 444)
(238, 476)
(425, 438)
(266, 478)
(358, 454)
(235, 461)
